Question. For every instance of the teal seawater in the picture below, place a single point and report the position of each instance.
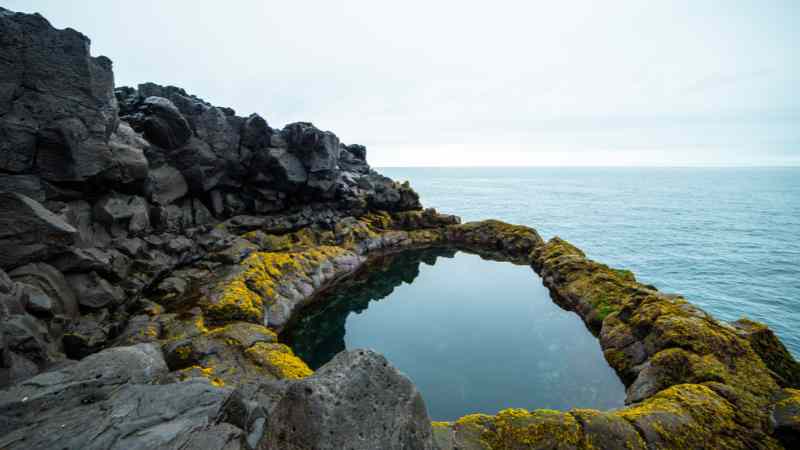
(474, 335)
(726, 238)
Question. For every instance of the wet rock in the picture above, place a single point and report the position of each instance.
(349, 403)
(29, 232)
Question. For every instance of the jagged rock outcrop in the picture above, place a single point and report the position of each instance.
(153, 246)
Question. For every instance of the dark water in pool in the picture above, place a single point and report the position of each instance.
(474, 335)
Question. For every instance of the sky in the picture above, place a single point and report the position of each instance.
(490, 83)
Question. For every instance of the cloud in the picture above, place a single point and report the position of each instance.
(418, 82)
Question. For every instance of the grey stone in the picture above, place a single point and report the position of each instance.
(106, 401)
(356, 401)
(279, 168)
(94, 291)
(86, 335)
(165, 184)
(57, 107)
(29, 232)
(28, 185)
(128, 211)
(52, 283)
(163, 124)
(318, 150)
(128, 162)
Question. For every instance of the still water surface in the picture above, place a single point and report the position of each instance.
(474, 335)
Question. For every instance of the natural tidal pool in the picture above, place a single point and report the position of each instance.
(474, 335)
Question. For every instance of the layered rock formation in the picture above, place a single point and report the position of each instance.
(152, 247)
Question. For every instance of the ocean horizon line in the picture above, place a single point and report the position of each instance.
(796, 166)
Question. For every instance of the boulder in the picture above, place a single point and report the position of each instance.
(201, 167)
(256, 133)
(165, 184)
(784, 368)
(29, 232)
(57, 107)
(26, 347)
(52, 283)
(279, 168)
(128, 162)
(356, 401)
(785, 417)
(318, 150)
(86, 335)
(163, 124)
(128, 212)
(94, 291)
(108, 401)
(214, 127)
(28, 185)
(91, 233)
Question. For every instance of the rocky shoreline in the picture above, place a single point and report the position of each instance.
(153, 246)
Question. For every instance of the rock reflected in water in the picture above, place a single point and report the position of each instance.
(474, 335)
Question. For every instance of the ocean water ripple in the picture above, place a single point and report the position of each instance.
(727, 239)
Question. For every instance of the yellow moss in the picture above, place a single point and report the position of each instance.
(217, 382)
(200, 324)
(243, 296)
(437, 424)
(279, 360)
(183, 352)
(196, 371)
(470, 419)
(515, 427)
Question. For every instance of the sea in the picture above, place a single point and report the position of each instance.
(728, 239)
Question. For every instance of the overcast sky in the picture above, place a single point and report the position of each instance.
(479, 83)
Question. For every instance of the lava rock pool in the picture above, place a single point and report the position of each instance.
(474, 335)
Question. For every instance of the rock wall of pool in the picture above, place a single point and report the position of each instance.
(474, 335)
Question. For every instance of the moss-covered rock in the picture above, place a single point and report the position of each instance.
(785, 369)
(279, 360)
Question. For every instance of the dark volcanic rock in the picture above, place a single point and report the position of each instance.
(57, 107)
(29, 232)
(52, 283)
(163, 124)
(319, 150)
(107, 401)
(165, 184)
(128, 212)
(356, 401)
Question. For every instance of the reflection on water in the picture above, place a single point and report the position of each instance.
(474, 335)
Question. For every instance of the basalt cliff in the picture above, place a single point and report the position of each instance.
(153, 246)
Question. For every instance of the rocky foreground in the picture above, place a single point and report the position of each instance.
(152, 247)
